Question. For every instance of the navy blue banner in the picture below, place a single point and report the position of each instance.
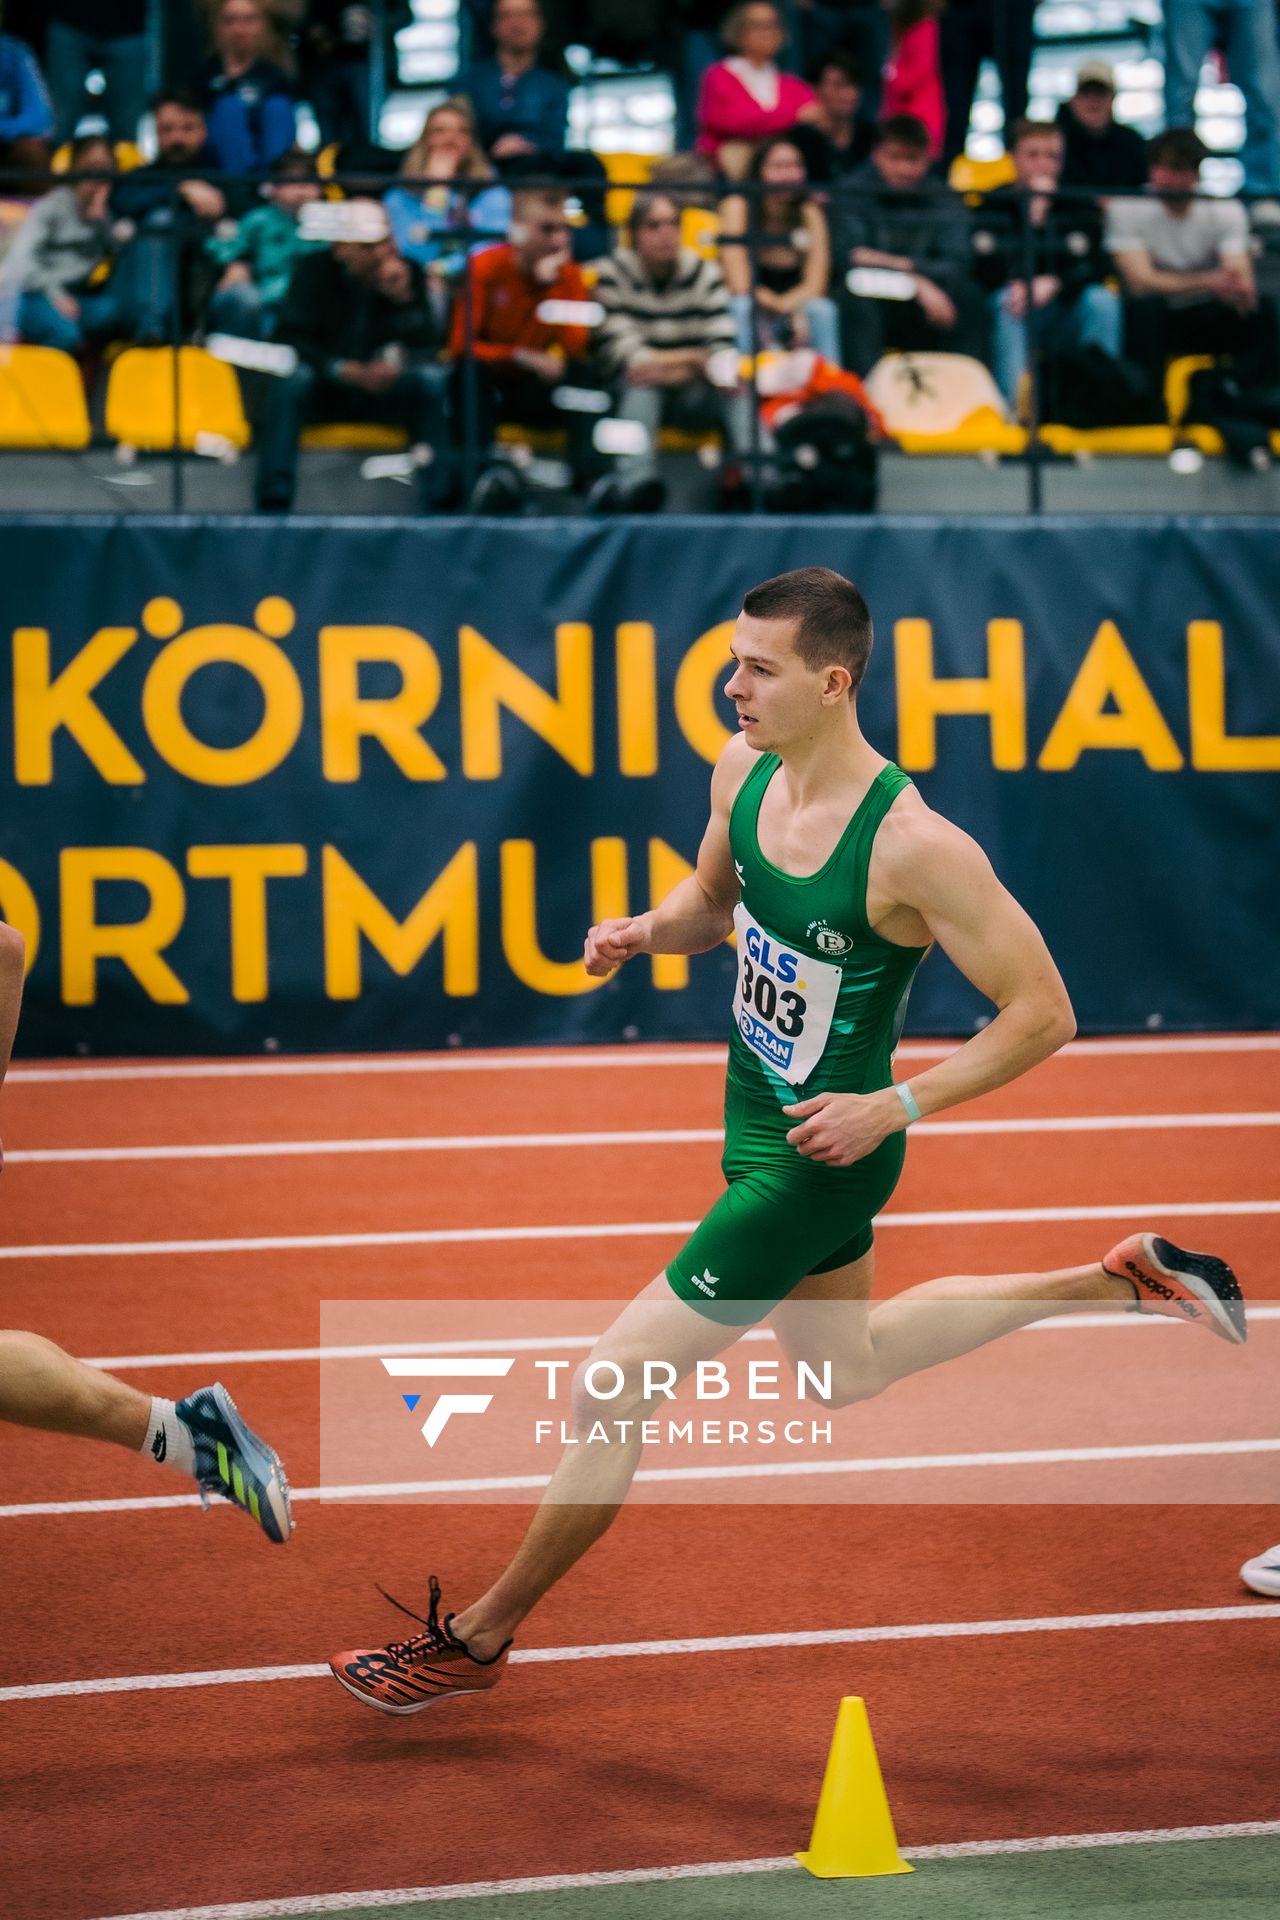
(365, 785)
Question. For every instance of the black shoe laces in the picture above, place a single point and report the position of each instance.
(435, 1639)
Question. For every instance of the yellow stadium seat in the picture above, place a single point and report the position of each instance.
(127, 157)
(626, 172)
(982, 431)
(41, 399)
(356, 436)
(700, 229)
(1177, 383)
(980, 176)
(1122, 440)
(140, 397)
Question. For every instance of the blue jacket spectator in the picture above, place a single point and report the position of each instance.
(248, 102)
(424, 219)
(25, 109)
(520, 108)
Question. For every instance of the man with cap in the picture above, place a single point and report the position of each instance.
(1100, 156)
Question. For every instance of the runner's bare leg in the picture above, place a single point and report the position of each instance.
(41, 1386)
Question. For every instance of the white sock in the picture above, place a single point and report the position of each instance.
(168, 1442)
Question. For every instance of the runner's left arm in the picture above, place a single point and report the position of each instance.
(945, 878)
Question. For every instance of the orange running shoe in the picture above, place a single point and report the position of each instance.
(1185, 1286)
(411, 1674)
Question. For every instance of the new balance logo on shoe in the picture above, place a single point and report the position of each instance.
(1164, 1292)
(159, 1446)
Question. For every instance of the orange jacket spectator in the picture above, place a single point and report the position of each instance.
(505, 301)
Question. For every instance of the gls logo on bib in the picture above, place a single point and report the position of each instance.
(784, 1000)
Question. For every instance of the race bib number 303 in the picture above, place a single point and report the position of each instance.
(784, 1000)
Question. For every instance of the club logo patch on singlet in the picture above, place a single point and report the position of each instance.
(784, 1000)
(828, 939)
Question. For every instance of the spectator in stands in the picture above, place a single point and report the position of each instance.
(358, 317)
(972, 31)
(693, 46)
(520, 357)
(837, 139)
(169, 204)
(912, 73)
(1071, 307)
(857, 30)
(259, 255)
(84, 36)
(891, 214)
(1186, 268)
(747, 97)
(666, 317)
(248, 101)
(1100, 155)
(335, 49)
(426, 220)
(521, 110)
(67, 241)
(791, 244)
(26, 115)
(1246, 33)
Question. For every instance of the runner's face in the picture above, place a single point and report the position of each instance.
(778, 698)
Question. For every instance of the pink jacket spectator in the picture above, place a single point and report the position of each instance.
(913, 81)
(726, 111)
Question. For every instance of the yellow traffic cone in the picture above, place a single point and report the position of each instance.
(853, 1836)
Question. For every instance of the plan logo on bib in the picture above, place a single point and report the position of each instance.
(828, 939)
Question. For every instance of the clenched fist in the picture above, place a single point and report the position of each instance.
(613, 942)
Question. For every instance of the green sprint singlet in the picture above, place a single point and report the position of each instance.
(818, 1008)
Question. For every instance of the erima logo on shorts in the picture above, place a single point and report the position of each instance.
(828, 939)
(708, 1283)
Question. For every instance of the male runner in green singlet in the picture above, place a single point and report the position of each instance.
(837, 878)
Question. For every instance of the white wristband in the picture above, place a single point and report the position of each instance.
(903, 1090)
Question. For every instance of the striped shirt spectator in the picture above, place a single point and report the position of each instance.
(685, 312)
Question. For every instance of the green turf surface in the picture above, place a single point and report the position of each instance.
(1229, 1879)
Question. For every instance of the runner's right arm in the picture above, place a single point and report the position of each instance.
(12, 956)
(698, 913)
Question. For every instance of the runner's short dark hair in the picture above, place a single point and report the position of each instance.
(834, 624)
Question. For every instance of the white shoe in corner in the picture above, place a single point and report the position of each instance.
(1263, 1574)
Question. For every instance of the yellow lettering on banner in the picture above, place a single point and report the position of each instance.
(706, 663)
(520, 914)
(248, 868)
(42, 704)
(277, 679)
(450, 906)
(1213, 749)
(636, 655)
(1110, 672)
(346, 717)
(667, 869)
(19, 907)
(139, 943)
(1001, 694)
(489, 682)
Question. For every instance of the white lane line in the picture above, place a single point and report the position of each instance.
(534, 1062)
(657, 1649)
(564, 1343)
(807, 1468)
(275, 1069)
(294, 1909)
(648, 1137)
(1136, 1211)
